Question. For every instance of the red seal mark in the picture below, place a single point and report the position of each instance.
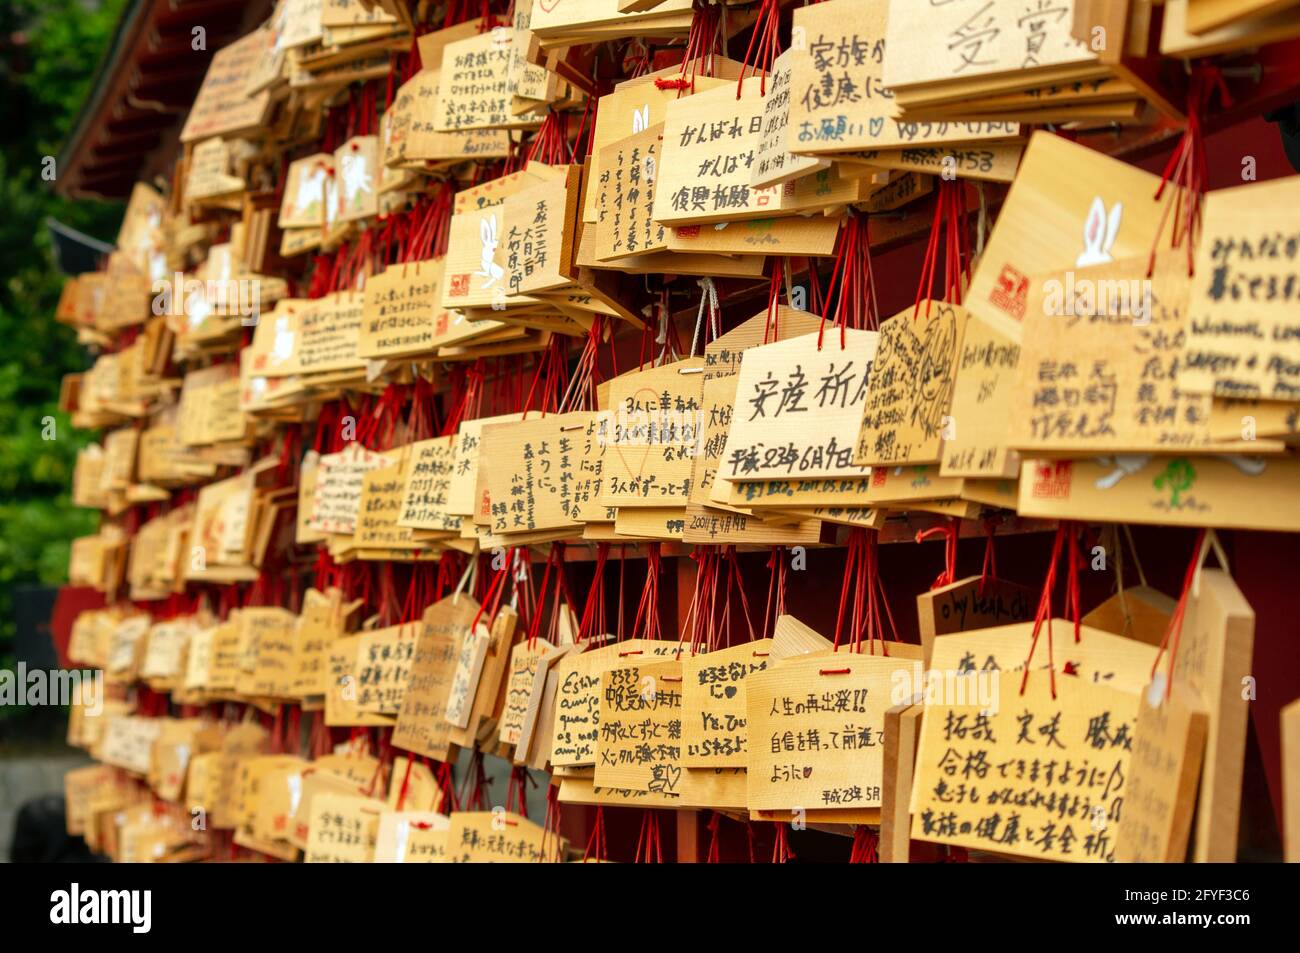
(1052, 480)
(1011, 292)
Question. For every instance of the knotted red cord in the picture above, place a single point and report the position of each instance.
(1187, 168)
(701, 43)
(737, 584)
(768, 42)
(870, 607)
(406, 782)
(477, 783)
(698, 620)
(647, 610)
(851, 558)
(948, 229)
(494, 592)
(1064, 533)
(714, 855)
(781, 850)
(855, 304)
(552, 842)
(596, 847)
(551, 144)
(649, 849)
(775, 590)
(1174, 630)
(586, 133)
(771, 327)
(865, 846)
(949, 532)
(447, 785)
(517, 790)
(990, 567)
(553, 561)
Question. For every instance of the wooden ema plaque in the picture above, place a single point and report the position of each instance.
(817, 730)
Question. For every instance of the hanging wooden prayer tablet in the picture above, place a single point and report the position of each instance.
(421, 726)
(816, 731)
(715, 727)
(798, 407)
(1160, 795)
(655, 429)
(1037, 774)
(908, 409)
(639, 746)
(1243, 339)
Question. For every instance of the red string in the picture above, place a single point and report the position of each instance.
(1187, 168)
(714, 855)
(781, 850)
(701, 42)
(852, 277)
(1174, 630)
(768, 43)
(406, 782)
(649, 849)
(593, 612)
(949, 230)
(597, 849)
(1044, 613)
(775, 590)
(865, 846)
(447, 785)
(770, 326)
(989, 571)
(551, 840)
(949, 532)
(647, 610)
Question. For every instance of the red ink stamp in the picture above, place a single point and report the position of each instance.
(1011, 292)
(1052, 480)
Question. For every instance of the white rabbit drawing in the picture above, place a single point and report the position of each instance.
(489, 269)
(331, 199)
(1125, 464)
(356, 178)
(311, 190)
(1099, 231)
(282, 348)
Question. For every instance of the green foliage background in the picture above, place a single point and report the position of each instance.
(49, 51)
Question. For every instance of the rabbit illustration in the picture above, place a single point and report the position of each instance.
(311, 187)
(331, 198)
(489, 269)
(1099, 231)
(282, 347)
(356, 179)
(1125, 464)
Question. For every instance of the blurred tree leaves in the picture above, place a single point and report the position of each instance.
(49, 53)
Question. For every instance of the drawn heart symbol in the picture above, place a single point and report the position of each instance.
(548, 5)
(651, 399)
(666, 778)
(877, 126)
(807, 772)
(730, 691)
